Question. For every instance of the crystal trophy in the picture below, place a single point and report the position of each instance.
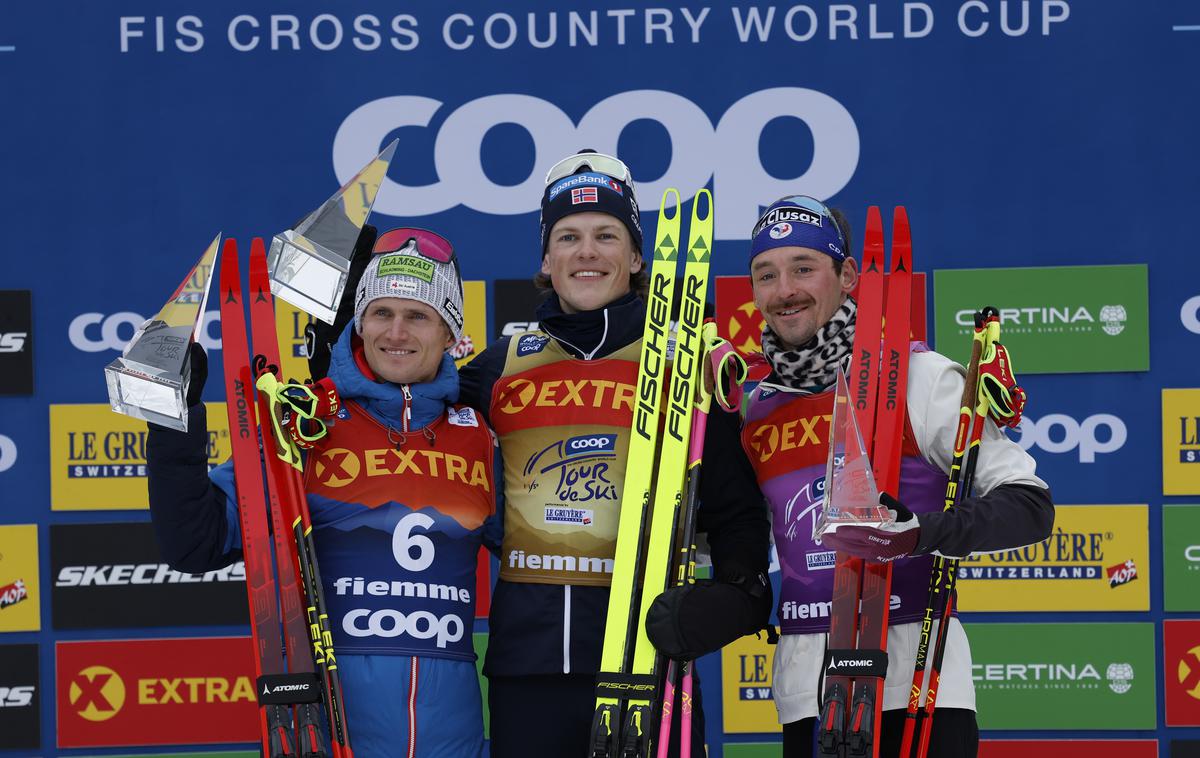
(309, 264)
(150, 380)
(851, 496)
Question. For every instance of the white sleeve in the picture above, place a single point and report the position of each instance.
(935, 385)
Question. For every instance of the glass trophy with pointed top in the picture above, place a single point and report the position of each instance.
(851, 496)
(150, 379)
(309, 264)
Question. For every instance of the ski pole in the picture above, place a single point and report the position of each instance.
(724, 371)
(953, 492)
(995, 380)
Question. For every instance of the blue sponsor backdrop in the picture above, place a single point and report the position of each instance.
(1017, 134)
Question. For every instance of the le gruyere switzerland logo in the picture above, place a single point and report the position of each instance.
(97, 693)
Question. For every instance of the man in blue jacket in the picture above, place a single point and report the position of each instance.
(401, 494)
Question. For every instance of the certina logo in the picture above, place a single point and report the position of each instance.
(531, 344)
(17, 697)
(96, 332)
(1057, 676)
(1191, 554)
(337, 467)
(769, 439)
(1189, 314)
(728, 153)
(520, 394)
(13, 342)
(1055, 318)
(8, 453)
(1060, 433)
(120, 575)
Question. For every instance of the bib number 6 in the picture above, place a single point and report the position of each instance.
(414, 552)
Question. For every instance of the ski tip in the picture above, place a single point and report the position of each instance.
(901, 240)
(708, 206)
(670, 202)
(873, 241)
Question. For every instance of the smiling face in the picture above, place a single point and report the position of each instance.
(403, 340)
(589, 258)
(797, 290)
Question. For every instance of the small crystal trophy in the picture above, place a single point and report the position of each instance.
(150, 380)
(851, 496)
(309, 264)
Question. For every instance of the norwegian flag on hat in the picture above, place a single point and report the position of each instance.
(584, 195)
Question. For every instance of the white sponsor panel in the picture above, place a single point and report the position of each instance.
(97, 332)
(8, 452)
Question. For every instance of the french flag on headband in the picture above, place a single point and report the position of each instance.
(584, 195)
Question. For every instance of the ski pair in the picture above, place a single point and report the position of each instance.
(652, 492)
(304, 624)
(856, 658)
(986, 393)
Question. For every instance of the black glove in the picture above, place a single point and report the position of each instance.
(687, 622)
(320, 337)
(199, 367)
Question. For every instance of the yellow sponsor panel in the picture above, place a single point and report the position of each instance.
(746, 699)
(98, 458)
(20, 592)
(1181, 442)
(289, 325)
(290, 322)
(475, 332)
(1097, 559)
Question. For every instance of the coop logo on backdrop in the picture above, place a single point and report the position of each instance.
(8, 453)
(1189, 314)
(97, 332)
(727, 152)
(1098, 434)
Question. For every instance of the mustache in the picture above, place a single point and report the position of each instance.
(784, 305)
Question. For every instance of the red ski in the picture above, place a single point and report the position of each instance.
(859, 622)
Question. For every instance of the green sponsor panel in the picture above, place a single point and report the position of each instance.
(1055, 320)
(480, 639)
(753, 750)
(1064, 676)
(1181, 557)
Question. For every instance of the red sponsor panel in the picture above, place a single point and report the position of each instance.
(155, 692)
(1181, 677)
(1068, 749)
(740, 322)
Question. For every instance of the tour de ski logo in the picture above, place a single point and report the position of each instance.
(97, 693)
(578, 471)
(13, 593)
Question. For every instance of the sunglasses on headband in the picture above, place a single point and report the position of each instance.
(420, 242)
(596, 162)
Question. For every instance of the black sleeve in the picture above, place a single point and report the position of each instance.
(187, 510)
(1010, 516)
(733, 511)
(477, 378)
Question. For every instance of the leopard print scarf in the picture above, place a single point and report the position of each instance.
(813, 366)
